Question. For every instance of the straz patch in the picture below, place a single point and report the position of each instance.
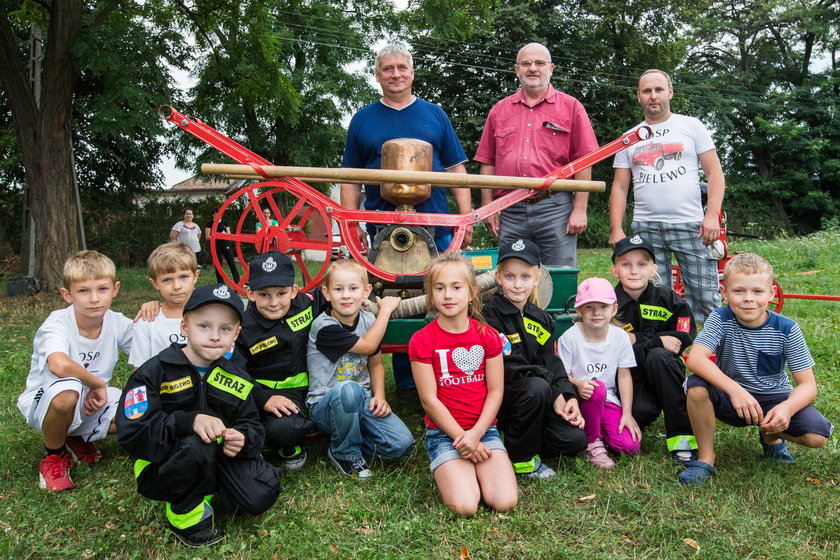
(229, 383)
(301, 320)
(507, 348)
(684, 324)
(536, 330)
(135, 402)
(654, 313)
(176, 386)
(263, 345)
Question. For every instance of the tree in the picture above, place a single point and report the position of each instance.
(765, 73)
(100, 62)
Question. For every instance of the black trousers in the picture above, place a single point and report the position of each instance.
(224, 251)
(287, 431)
(531, 426)
(658, 387)
(196, 469)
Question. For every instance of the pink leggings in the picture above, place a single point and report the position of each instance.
(602, 419)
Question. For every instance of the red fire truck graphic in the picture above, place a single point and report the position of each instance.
(654, 155)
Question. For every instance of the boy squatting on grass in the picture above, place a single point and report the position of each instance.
(345, 363)
(67, 397)
(272, 347)
(189, 418)
(748, 385)
(173, 271)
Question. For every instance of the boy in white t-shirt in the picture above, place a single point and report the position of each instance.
(67, 397)
(173, 271)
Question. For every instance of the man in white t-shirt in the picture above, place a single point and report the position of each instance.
(666, 188)
(67, 397)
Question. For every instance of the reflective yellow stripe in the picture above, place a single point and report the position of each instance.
(175, 386)
(535, 329)
(513, 338)
(525, 466)
(301, 320)
(654, 313)
(229, 383)
(139, 466)
(293, 382)
(193, 517)
(681, 443)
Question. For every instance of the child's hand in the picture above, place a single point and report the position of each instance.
(571, 413)
(209, 428)
(776, 421)
(148, 311)
(627, 421)
(746, 406)
(585, 388)
(467, 444)
(388, 304)
(95, 399)
(280, 405)
(480, 455)
(671, 344)
(379, 407)
(234, 441)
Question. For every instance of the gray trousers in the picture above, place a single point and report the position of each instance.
(544, 223)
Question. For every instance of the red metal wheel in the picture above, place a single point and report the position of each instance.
(297, 216)
(778, 298)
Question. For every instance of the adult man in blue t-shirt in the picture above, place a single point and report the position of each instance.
(399, 114)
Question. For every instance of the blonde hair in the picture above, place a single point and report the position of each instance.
(171, 257)
(748, 263)
(534, 296)
(88, 265)
(454, 258)
(348, 265)
(655, 277)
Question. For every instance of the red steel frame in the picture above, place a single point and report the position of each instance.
(289, 235)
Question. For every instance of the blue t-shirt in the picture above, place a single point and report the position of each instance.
(377, 123)
(755, 357)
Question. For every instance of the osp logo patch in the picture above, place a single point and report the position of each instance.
(135, 402)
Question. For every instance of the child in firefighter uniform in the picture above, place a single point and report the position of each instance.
(272, 349)
(189, 418)
(539, 413)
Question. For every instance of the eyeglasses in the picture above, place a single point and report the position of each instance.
(537, 63)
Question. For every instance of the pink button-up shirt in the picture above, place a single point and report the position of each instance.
(525, 141)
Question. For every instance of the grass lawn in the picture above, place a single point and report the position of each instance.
(638, 510)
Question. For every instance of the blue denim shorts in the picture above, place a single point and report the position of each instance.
(440, 449)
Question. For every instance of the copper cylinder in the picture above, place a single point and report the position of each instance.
(406, 154)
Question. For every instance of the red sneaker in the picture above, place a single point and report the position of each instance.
(82, 451)
(55, 473)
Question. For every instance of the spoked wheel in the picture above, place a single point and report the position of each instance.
(297, 217)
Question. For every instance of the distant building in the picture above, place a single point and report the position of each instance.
(193, 189)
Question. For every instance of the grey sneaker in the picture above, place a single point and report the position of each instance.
(541, 471)
(359, 466)
(292, 458)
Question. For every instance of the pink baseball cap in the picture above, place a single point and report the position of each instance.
(594, 289)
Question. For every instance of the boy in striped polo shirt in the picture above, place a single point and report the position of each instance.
(748, 384)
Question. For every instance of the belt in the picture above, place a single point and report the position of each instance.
(540, 196)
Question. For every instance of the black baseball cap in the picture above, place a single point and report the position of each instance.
(523, 249)
(215, 293)
(271, 269)
(631, 244)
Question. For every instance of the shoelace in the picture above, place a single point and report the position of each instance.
(359, 465)
(56, 465)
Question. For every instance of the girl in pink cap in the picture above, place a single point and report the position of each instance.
(598, 357)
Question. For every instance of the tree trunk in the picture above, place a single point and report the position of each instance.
(45, 137)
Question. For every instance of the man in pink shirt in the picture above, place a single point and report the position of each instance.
(529, 134)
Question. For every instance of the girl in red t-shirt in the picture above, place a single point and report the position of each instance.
(457, 365)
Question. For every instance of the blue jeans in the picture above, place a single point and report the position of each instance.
(354, 431)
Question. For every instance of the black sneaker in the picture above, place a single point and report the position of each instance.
(359, 466)
(292, 458)
(207, 532)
